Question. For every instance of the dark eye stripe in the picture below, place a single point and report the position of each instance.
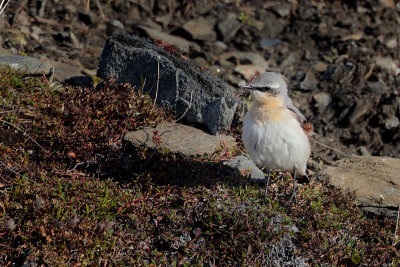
(263, 89)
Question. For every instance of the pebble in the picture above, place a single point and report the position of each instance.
(282, 10)
(320, 66)
(392, 123)
(392, 43)
(322, 100)
(264, 43)
(10, 225)
(246, 167)
(387, 63)
(39, 204)
(228, 27)
(309, 82)
(201, 29)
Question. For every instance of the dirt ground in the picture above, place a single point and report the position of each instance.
(340, 58)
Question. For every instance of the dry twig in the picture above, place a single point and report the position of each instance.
(190, 104)
(25, 133)
(158, 81)
(396, 236)
(329, 147)
(3, 5)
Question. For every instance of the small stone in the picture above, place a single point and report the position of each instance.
(249, 70)
(322, 100)
(146, 5)
(88, 18)
(316, 166)
(114, 26)
(282, 10)
(74, 222)
(100, 228)
(200, 62)
(274, 27)
(392, 123)
(309, 82)
(74, 41)
(36, 32)
(388, 3)
(226, 64)
(363, 150)
(265, 43)
(164, 20)
(10, 225)
(392, 43)
(290, 60)
(22, 18)
(70, 8)
(361, 9)
(18, 39)
(320, 66)
(377, 86)
(108, 226)
(220, 47)
(2, 16)
(39, 204)
(201, 29)
(25, 30)
(246, 167)
(67, 38)
(214, 70)
(247, 62)
(228, 27)
(362, 108)
(387, 63)
(258, 25)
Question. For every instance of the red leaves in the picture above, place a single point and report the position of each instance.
(167, 47)
(307, 128)
(252, 77)
(156, 138)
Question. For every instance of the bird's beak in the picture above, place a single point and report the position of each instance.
(247, 87)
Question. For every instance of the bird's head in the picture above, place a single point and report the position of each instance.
(268, 84)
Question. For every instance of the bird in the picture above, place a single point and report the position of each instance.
(274, 130)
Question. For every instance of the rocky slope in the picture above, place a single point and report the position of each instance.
(340, 58)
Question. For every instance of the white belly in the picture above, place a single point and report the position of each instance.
(276, 145)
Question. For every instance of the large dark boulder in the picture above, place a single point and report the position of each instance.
(134, 60)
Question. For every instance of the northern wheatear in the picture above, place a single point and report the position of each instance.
(273, 132)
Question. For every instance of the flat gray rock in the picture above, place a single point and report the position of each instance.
(201, 97)
(179, 138)
(375, 180)
(28, 65)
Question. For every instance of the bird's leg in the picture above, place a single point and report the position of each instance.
(266, 189)
(294, 195)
